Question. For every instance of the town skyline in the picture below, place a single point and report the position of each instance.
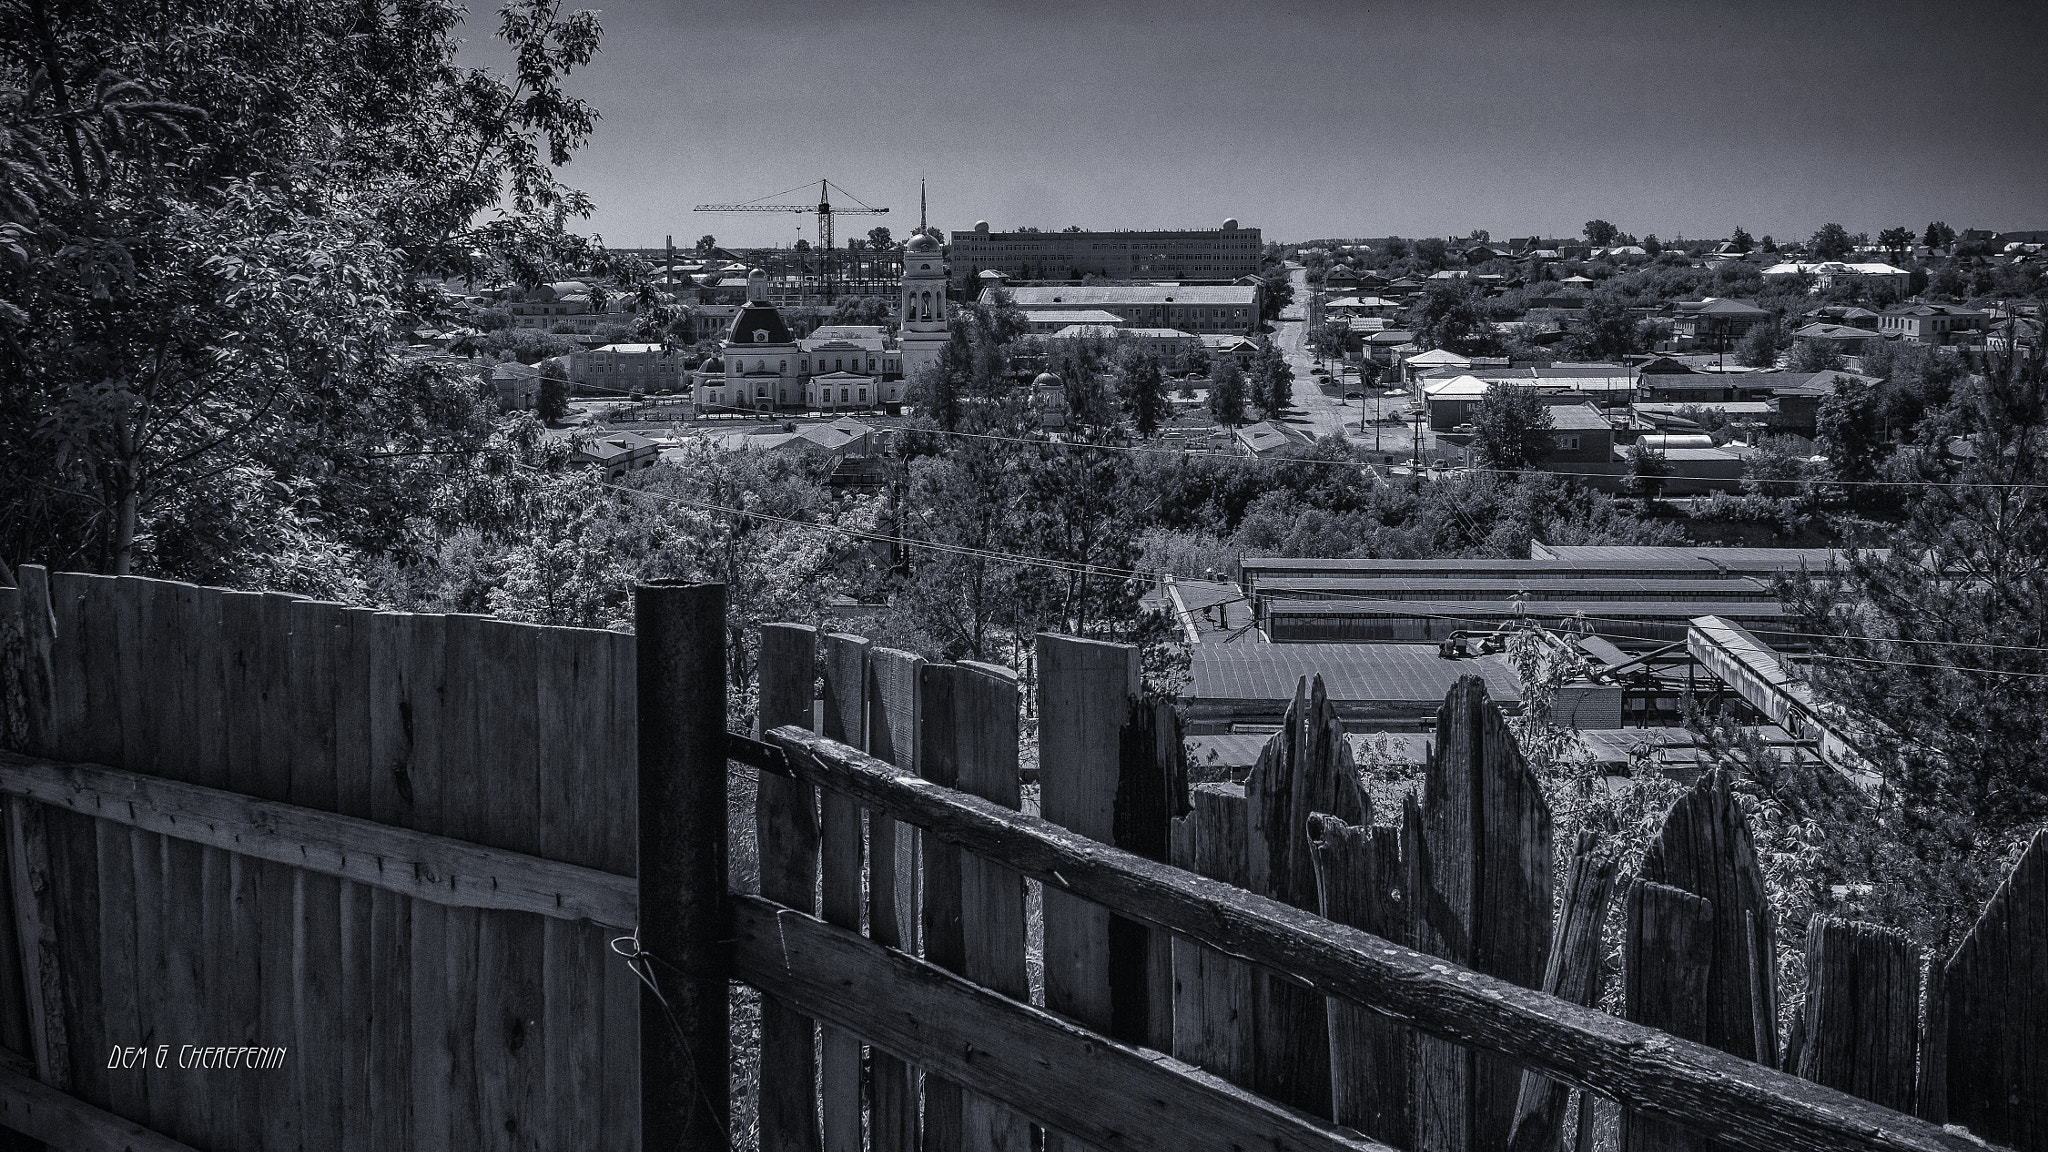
(1314, 120)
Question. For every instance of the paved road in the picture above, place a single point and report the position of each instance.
(1330, 414)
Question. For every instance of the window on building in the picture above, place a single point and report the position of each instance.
(863, 395)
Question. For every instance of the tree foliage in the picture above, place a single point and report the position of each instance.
(1832, 242)
(1512, 428)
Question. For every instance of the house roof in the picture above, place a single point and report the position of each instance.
(1465, 387)
(1819, 331)
(1577, 418)
(1409, 673)
(1114, 331)
(1719, 306)
(1065, 316)
(1265, 436)
(1812, 383)
(1439, 357)
(1391, 336)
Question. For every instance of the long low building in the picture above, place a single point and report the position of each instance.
(1666, 564)
(1371, 685)
(1196, 308)
(1408, 622)
(1744, 561)
(1459, 586)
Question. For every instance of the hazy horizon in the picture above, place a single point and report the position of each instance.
(1314, 119)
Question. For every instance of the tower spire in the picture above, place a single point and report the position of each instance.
(920, 204)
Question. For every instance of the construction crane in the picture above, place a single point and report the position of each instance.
(825, 212)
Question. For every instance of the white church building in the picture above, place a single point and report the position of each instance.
(761, 367)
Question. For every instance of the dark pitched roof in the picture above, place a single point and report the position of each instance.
(756, 320)
(1350, 672)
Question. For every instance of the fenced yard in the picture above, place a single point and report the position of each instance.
(404, 849)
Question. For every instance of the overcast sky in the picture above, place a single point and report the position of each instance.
(1313, 119)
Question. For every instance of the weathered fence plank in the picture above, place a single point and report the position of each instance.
(1573, 974)
(992, 910)
(1861, 1014)
(1212, 1007)
(1997, 994)
(1360, 876)
(1705, 849)
(1085, 690)
(1930, 1081)
(1488, 865)
(1304, 769)
(945, 940)
(1081, 1085)
(843, 718)
(893, 699)
(1151, 792)
(786, 822)
(1667, 957)
(619, 794)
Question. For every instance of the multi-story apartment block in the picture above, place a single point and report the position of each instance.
(1226, 253)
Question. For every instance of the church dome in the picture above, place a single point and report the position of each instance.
(1047, 380)
(922, 244)
(758, 322)
(712, 365)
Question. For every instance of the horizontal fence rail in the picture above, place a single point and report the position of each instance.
(1703, 1089)
(438, 869)
(1094, 1089)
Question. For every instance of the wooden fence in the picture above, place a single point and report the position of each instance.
(388, 851)
(401, 848)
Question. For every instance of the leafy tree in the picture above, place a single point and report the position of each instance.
(1433, 252)
(879, 237)
(218, 245)
(553, 403)
(1452, 314)
(1328, 339)
(1817, 356)
(1609, 331)
(1936, 650)
(1512, 428)
(1896, 242)
(1226, 393)
(706, 243)
(1938, 235)
(1272, 382)
(1647, 471)
(1742, 240)
(1760, 345)
(1277, 294)
(1599, 233)
(1832, 242)
(1849, 430)
(1143, 388)
(1652, 245)
(1769, 244)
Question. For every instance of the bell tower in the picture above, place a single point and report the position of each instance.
(921, 309)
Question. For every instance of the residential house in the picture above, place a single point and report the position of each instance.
(1716, 322)
(1933, 324)
(613, 453)
(1828, 273)
(1852, 341)
(1582, 440)
(1164, 342)
(618, 369)
(1799, 395)
(1267, 437)
(1387, 346)
(1052, 320)
(517, 386)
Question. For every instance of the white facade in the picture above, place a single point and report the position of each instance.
(921, 309)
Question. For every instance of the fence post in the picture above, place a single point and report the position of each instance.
(1995, 1010)
(685, 1094)
(1574, 975)
(786, 822)
(1667, 952)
